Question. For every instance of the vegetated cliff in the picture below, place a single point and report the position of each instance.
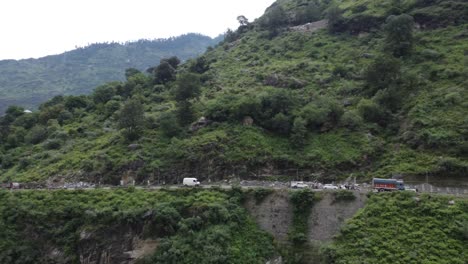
(129, 226)
(30, 82)
(278, 99)
(352, 227)
(214, 226)
(303, 222)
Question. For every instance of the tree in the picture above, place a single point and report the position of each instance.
(371, 111)
(200, 65)
(37, 134)
(164, 73)
(72, 102)
(12, 113)
(169, 125)
(336, 22)
(243, 21)
(382, 73)
(275, 18)
(131, 119)
(399, 34)
(281, 123)
(299, 132)
(131, 72)
(309, 13)
(187, 87)
(173, 61)
(103, 93)
(184, 112)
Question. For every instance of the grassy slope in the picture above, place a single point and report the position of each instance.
(426, 134)
(404, 228)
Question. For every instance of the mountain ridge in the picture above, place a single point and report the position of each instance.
(29, 82)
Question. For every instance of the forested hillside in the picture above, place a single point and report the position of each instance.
(30, 82)
(371, 88)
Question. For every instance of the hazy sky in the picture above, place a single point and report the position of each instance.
(35, 28)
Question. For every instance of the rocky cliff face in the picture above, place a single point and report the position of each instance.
(328, 215)
(122, 245)
(274, 214)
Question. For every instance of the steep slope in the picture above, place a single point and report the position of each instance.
(32, 81)
(378, 89)
(113, 226)
(404, 228)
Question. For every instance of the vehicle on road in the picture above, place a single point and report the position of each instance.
(299, 185)
(330, 187)
(190, 182)
(382, 185)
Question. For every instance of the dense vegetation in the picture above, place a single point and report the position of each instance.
(191, 226)
(380, 91)
(404, 228)
(30, 82)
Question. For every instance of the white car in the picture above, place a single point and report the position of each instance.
(299, 185)
(330, 187)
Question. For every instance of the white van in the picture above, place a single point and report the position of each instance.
(191, 182)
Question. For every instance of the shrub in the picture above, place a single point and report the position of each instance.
(343, 196)
(370, 111)
(23, 163)
(169, 125)
(399, 34)
(299, 132)
(281, 123)
(351, 119)
(302, 200)
(381, 73)
(37, 134)
(104, 93)
(261, 193)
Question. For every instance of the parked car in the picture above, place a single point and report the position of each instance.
(190, 182)
(330, 187)
(299, 185)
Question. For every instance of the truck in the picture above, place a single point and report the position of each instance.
(383, 185)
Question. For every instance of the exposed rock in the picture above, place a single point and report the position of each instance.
(274, 214)
(280, 81)
(278, 260)
(347, 103)
(201, 123)
(311, 27)
(248, 121)
(328, 216)
(133, 146)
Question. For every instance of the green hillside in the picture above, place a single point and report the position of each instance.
(380, 90)
(31, 82)
(404, 228)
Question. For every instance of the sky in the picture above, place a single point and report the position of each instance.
(37, 28)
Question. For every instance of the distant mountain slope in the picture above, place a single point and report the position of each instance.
(31, 81)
